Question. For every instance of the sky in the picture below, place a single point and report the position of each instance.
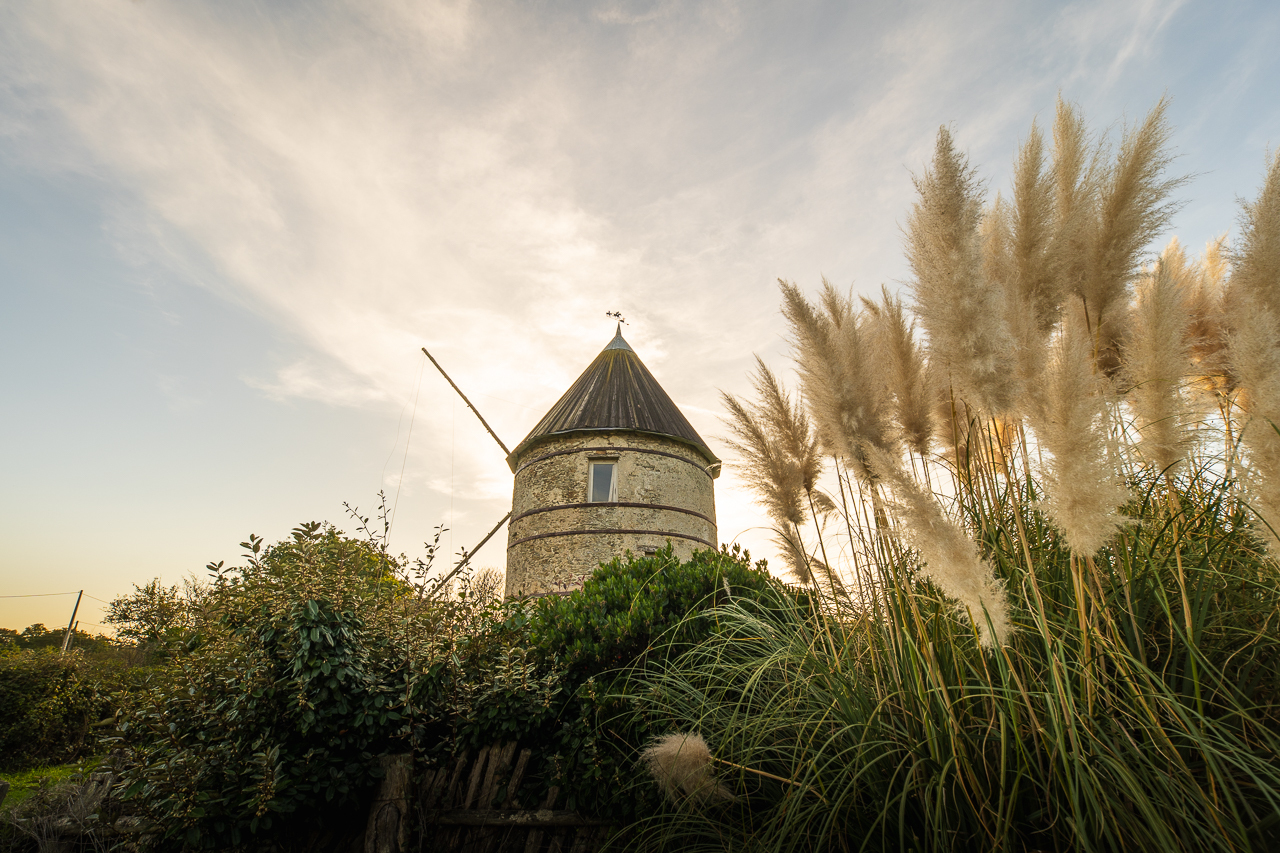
(227, 229)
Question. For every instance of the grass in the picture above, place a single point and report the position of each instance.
(24, 783)
(1054, 621)
(1101, 725)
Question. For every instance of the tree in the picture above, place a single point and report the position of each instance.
(153, 615)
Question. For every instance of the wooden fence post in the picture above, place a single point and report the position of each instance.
(388, 827)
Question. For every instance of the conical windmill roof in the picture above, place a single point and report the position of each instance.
(616, 392)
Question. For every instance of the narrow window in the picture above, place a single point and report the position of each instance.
(602, 482)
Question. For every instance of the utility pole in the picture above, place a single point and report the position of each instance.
(71, 624)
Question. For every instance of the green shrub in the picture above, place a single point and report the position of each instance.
(49, 703)
(631, 615)
(320, 654)
(626, 604)
(294, 682)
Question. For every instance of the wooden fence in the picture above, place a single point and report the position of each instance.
(471, 805)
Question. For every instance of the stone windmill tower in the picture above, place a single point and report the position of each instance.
(614, 466)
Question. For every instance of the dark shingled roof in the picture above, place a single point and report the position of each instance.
(617, 392)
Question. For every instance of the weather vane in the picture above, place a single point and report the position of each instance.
(617, 315)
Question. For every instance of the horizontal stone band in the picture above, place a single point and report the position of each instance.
(659, 533)
(547, 456)
(614, 503)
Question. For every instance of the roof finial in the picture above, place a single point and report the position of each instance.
(617, 315)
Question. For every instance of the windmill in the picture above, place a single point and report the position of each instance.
(613, 466)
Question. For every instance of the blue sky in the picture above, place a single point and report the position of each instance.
(227, 228)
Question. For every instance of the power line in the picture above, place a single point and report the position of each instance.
(396, 503)
(44, 595)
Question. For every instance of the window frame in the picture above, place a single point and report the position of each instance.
(592, 464)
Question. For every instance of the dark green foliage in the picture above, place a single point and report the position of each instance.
(626, 604)
(49, 703)
(321, 653)
(631, 614)
(280, 709)
(37, 636)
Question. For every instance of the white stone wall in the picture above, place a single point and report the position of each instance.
(556, 538)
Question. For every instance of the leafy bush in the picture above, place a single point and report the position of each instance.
(632, 614)
(626, 604)
(37, 636)
(322, 652)
(49, 703)
(291, 689)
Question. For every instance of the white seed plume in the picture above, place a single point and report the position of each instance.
(904, 373)
(1207, 334)
(837, 374)
(1133, 206)
(951, 559)
(1158, 359)
(1084, 489)
(963, 313)
(1253, 305)
(681, 765)
(1255, 360)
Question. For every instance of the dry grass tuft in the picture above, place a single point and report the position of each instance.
(950, 558)
(1253, 306)
(1084, 488)
(1207, 332)
(1256, 273)
(961, 310)
(904, 371)
(838, 375)
(681, 765)
(781, 461)
(1133, 208)
(1158, 359)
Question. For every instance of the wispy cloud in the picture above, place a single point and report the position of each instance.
(487, 180)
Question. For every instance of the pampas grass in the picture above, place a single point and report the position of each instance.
(1256, 272)
(1253, 305)
(681, 765)
(1084, 490)
(781, 462)
(1158, 360)
(961, 311)
(949, 558)
(1133, 207)
(904, 371)
(1207, 331)
(838, 375)
(1111, 681)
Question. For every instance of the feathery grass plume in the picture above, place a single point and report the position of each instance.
(1207, 332)
(1133, 207)
(837, 375)
(1255, 360)
(1036, 283)
(1075, 172)
(1254, 350)
(789, 425)
(1256, 262)
(1083, 489)
(1020, 256)
(904, 371)
(681, 765)
(1158, 359)
(781, 458)
(951, 559)
(962, 312)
